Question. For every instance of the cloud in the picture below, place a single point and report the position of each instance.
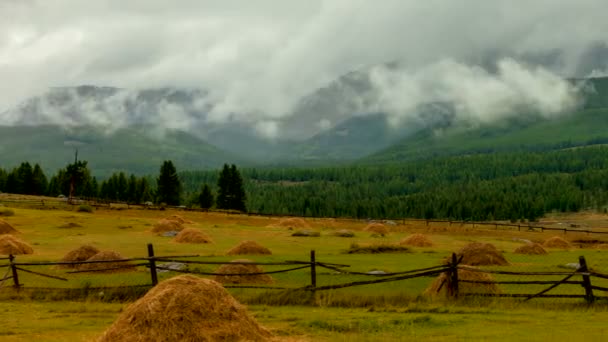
(257, 60)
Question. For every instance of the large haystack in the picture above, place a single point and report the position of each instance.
(10, 244)
(292, 222)
(417, 240)
(191, 235)
(556, 242)
(166, 226)
(249, 248)
(439, 285)
(185, 308)
(531, 248)
(179, 219)
(81, 253)
(477, 254)
(376, 228)
(107, 267)
(238, 273)
(6, 228)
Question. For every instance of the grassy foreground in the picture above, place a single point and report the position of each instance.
(84, 321)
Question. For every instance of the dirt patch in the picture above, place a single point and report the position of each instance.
(107, 267)
(376, 228)
(417, 240)
(167, 226)
(81, 253)
(6, 228)
(478, 254)
(556, 242)
(249, 248)
(191, 235)
(531, 249)
(238, 273)
(439, 285)
(10, 244)
(186, 308)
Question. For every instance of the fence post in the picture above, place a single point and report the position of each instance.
(586, 280)
(152, 264)
(453, 277)
(11, 259)
(313, 269)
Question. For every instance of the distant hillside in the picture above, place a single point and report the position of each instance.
(133, 150)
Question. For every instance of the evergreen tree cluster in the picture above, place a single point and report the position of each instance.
(24, 180)
(231, 192)
(132, 190)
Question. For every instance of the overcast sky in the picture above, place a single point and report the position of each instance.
(259, 57)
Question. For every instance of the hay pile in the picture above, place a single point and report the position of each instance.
(179, 219)
(249, 248)
(556, 242)
(81, 253)
(439, 285)
(107, 255)
(6, 228)
(238, 273)
(376, 228)
(531, 248)
(10, 244)
(167, 226)
(417, 240)
(185, 308)
(477, 253)
(191, 235)
(292, 222)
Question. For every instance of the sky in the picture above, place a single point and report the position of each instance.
(257, 59)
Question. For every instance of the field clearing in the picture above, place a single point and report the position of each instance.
(391, 311)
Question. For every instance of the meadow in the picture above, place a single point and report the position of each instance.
(391, 311)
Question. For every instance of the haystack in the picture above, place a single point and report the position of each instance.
(239, 273)
(531, 248)
(292, 222)
(376, 228)
(81, 253)
(556, 242)
(111, 267)
(439, 285)
(191, 235)
(166, 226)
(179, 219)
(249, 248)
(185, 308)
(477, 253)
(6, 228)
(10, 244)
(417, 240)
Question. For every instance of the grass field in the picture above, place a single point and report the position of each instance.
(389, 311)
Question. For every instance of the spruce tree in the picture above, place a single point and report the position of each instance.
(205, 199)
(237, 190)
(223, 185)
(39, 181)
(2, 180)
(168, 185)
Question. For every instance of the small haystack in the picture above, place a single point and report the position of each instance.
(531, 248)
(439, 285)
(376, 228)
(556, 242)
(417, 240)
(191, 235)
(166, 226)
(179, 219)
(6, 228)
(186, 308)
(477, 254)
(81, 253)
(292, 222)
(239, 273)
(249, 248)
(10, 244)
(107, 267)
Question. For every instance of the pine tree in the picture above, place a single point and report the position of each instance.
(168, 185)
(205, 198)
(237, 191)
(2, 180)
(39, 181)
(223, 185)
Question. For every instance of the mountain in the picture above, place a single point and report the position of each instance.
(139, 149)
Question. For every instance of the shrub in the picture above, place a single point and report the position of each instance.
(85, 208)
(6, 212)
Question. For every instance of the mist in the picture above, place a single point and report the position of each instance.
(256, 64)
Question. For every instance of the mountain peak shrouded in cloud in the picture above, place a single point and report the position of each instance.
(291, 69)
